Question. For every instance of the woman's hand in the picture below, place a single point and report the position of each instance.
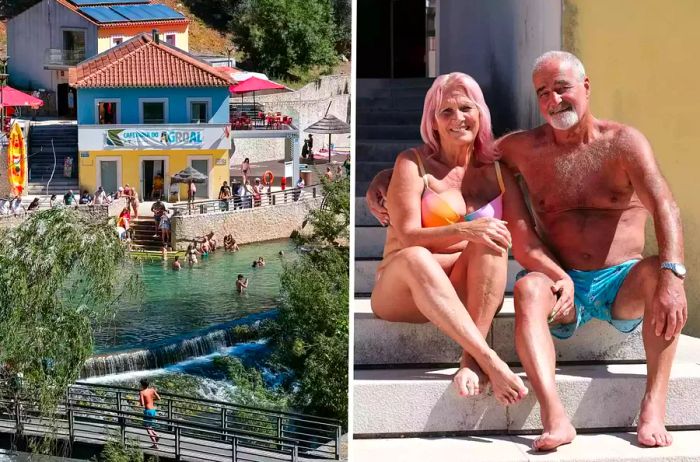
(490, 232)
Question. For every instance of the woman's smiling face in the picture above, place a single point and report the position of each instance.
(457, 118)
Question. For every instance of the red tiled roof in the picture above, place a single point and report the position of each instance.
(140, 62)
(74, 8)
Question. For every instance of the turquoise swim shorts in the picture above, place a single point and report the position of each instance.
(594, 294)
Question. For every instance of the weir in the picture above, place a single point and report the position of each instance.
(164, 354)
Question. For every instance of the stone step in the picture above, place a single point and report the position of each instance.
(383, 117)
(380, 150)
(365, 270)
(393, 402)
(369, 86)
(369, 241)
(378, 342)
(589, 447)
(363, 217)
(384, 131)
(400, 103)
(366, 171)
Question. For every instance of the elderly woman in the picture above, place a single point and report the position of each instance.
(446, 252)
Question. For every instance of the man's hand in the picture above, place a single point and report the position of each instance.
(669, 306)
(564, 290)
(376, 196)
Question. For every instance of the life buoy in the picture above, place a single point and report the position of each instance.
(266, 175)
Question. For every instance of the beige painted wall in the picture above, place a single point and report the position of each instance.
(641, 58)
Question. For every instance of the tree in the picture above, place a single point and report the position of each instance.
(62, 274)
(283, 37)
(313, 322)
(11, 8)
(342, 15)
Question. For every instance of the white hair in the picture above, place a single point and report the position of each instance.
(563, 56)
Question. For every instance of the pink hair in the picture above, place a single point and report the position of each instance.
(484, 144)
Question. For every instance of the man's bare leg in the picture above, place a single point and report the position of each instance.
(534, 302)
(479, 277)
(631, 303)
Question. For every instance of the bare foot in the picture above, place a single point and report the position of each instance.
(553, 436)
(470, 380)
(507, 387)
(651, 430)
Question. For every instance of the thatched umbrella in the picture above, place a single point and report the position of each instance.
(189, 175)
(330, 125)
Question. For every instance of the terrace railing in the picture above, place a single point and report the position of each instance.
(288, 196)
(189, 428)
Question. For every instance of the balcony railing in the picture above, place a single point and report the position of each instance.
(59, 57)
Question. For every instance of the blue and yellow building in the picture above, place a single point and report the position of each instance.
(147, 108)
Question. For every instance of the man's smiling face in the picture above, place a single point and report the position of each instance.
(562, 95)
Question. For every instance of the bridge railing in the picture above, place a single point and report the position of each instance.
(266, 199)
(312, 435)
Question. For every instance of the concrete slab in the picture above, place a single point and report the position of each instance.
(381, 342)
(597, 447)
(400, 401)
(366, 269)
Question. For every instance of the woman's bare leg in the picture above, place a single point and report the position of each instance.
(479, 277)
(413, 287)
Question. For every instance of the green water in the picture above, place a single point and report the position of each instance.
(178, 303)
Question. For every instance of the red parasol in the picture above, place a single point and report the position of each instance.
(255, 84)
(11, 97)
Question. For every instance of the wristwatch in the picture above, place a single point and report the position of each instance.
(677, 268)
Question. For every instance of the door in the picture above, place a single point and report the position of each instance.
(149, 170)
(391, 38)
(62, 91)
(108, 176)
(147, 178)
(202, 166)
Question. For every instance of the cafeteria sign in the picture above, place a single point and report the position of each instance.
(120, 138)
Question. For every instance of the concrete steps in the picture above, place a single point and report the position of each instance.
(382, 343)
(418, 401)
(41, 151)
(594, 447)
(380, 150)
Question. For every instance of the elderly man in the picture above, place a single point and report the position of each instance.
(591, 184)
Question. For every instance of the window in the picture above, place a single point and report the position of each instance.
(170, 39)
(198, 112)
(73, 46)
(153, 112)
(107, 112)
(117, 41)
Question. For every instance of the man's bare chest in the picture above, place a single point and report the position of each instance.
(577, 179)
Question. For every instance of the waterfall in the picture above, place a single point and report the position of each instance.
(162, 355)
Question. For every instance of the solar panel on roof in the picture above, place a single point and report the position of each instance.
(102, 14)
(147, 12)
(105, 2)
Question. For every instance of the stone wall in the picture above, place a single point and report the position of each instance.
(250, 225)
(5, 189)
(306, 106)
(99, 212)
(7, 222)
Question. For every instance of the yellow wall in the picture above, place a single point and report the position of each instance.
(131, 168)
(104, 35)
(641, 57)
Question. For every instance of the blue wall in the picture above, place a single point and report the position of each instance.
(177, 102)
